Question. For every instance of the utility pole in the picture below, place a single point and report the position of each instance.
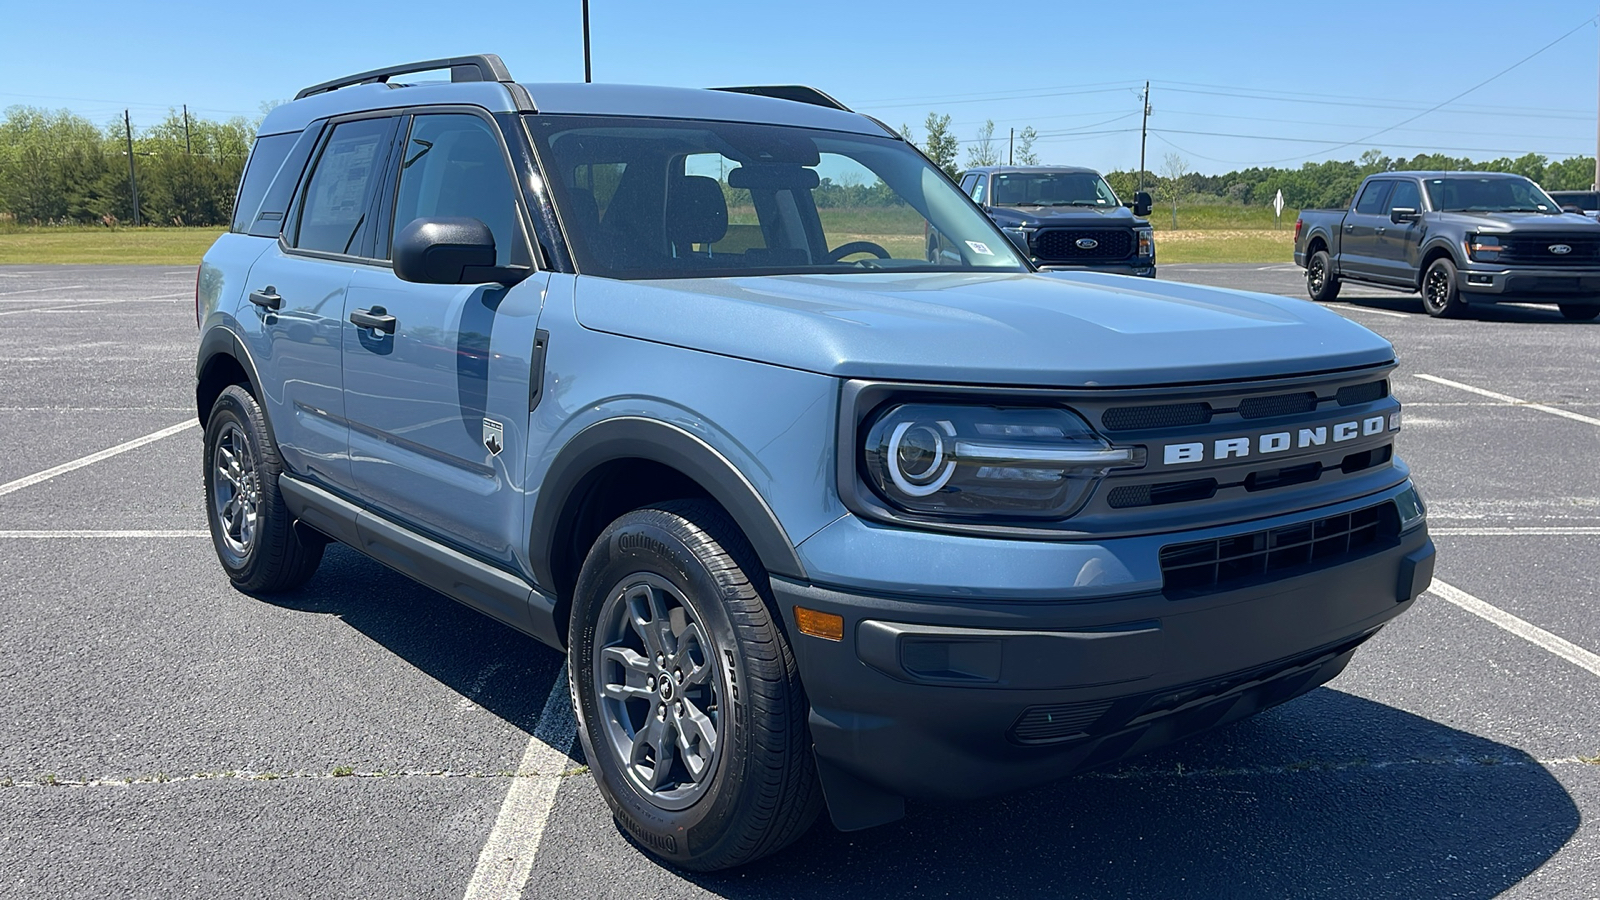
(1011, 148)
(1144, 133)
(587, 74)
(133, 177)
(187, 147)
(1596, 185)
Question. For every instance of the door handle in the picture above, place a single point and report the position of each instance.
(1349, 228)
(267, 298)
(376, 318)
(1382, 230)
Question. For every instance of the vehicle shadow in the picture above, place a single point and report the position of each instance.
(1329, 796)
(1509, 313)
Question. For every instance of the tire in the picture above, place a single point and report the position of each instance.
(1441, 296)
(1321, 283)
(1580, 312)
(253, 533)
(715, 803)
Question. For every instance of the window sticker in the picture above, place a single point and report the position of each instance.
(978, 247)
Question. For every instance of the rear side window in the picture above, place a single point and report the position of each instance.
(1371, 202)
(339, 193)
(265, 159)
(453, 166)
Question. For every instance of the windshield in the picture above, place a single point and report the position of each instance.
(664, 198)
(1467, 194)
(1052, 189)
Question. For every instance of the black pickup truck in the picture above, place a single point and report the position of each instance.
(1458, 239)
(1065, 217)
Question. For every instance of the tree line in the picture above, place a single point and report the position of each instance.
(59, 168)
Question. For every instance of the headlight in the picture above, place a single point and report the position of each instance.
(1483, 247)
(1019, 236)
(966, 461)
(1147, 243)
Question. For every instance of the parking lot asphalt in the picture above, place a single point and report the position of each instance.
(162, 735)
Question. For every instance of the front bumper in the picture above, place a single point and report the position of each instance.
(954, 699)
(1488, 283)
(1144, 268)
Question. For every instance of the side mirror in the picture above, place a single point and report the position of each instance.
(1569, 208)
(1404, 214)
(1142, 204)
(450, 251)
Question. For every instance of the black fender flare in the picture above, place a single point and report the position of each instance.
(218, 342)
(1427, 249)
(636, 437)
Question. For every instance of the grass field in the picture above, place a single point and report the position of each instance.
(1217, 234)
(88, 244)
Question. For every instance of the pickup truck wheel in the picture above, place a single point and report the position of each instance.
(1321, 283)
(252, 530)
(687, 696)
(1580, 312)
(1441, 298)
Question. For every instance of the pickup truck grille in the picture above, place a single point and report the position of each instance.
(1534, 250)
(1061, 244)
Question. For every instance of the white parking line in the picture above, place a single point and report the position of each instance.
(93, 458)
(1507, 398)
(1560, 646)
(65, 287)
(507, 858)
(1517, 531)
(1376, 312)
(58, 535)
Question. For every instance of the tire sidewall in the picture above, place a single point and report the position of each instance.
(231, 410)
(1452, 302)
(673, 834)
(1330, 282)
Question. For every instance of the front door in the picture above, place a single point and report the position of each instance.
(1399, 247)
(1363, 226)
(294, 324)
(438, 409)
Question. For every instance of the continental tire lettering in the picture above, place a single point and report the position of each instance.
(635, 542)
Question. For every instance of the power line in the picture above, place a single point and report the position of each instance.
(996, 95)
(1289, 96)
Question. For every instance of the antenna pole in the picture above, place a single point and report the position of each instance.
(588, 74)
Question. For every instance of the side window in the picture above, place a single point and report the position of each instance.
(265, 159)
(339, 193)
(1371, 202)
(1406, 196)
(967, 183)
(453, 167)
(980, 195)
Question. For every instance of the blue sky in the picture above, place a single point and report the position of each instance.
(1234, 84)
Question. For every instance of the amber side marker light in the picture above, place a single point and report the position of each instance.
(827, 626)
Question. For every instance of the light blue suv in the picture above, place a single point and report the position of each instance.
(667, 380)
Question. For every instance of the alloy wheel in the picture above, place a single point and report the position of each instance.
(236, 490)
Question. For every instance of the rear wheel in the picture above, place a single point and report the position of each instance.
(253, 532)
(1441, 297)
(688, 699)
(1580, 312)
(1321, 283)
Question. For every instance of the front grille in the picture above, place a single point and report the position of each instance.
(1204, 566)
(1357, 394)
(1132, 495)
(1534, 250)
(1061, 244)
(1141, 418)
(1277, 405)
(1190, 707)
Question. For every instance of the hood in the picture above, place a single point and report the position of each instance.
(1067, 329)
(1066, 215)
(1507, 223)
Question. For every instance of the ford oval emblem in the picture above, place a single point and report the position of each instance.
(1560, 249)
(1091, 243)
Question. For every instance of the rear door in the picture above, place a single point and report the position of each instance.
(1367, 220)
(293, 328)
(439, 409)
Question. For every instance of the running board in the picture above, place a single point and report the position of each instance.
(494, 592)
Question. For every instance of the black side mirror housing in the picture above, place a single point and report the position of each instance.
(1569, 208)
(450, 251)
(1404, 214)
(1142, 204)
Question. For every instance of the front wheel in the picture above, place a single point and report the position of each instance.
(1321, 283)
(688, 699)
(1441, 297)
(1580, 312)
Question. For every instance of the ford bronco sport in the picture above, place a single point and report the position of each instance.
(817, 521)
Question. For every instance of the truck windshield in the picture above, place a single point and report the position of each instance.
(671, 198)
(1052, 189)
(1468, 194)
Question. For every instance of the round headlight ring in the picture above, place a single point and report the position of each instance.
(938, 472)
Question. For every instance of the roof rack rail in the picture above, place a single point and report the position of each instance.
(480, 67)
(798, 93)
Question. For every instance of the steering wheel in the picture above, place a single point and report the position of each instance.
(844, 250)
